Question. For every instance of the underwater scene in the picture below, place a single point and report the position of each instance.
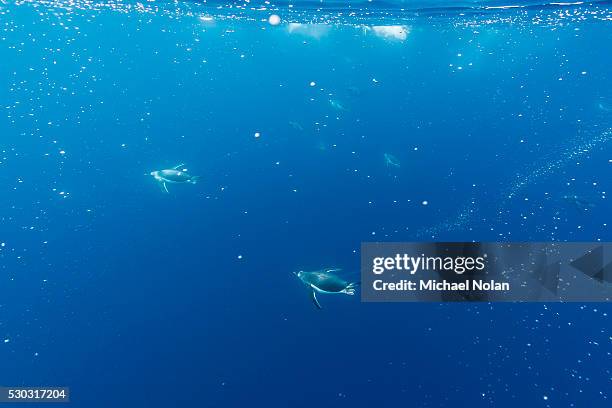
(176, 176)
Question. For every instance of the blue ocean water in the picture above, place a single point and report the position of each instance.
(499, 120)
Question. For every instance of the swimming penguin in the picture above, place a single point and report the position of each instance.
(296, 126)
(324, 281)
(391, 160)
(175, 175)
(337, 105)
(579, 202)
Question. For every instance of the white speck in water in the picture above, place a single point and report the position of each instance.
(425, 202)
(274, 20)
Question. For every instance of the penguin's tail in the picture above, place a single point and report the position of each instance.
(350, 288)
(195, 179)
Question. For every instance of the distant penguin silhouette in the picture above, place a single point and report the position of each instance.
(391, 160)
(175, 175)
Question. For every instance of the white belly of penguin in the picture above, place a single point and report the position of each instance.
(165, 180)
(319, 290)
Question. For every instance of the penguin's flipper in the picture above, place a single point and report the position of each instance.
(178, 167)
(163, 187)
(313, 296)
